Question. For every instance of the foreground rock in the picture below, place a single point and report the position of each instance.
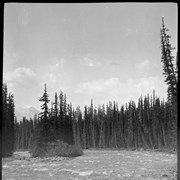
(94, 164)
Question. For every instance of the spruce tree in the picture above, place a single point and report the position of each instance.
(170, 71)
(7, 122)
(56, 108)
(44, 106)
(44, 115)
(170, 68)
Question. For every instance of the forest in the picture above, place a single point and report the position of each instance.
(146, 125)
(149, 124)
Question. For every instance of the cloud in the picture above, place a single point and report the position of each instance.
(9, 57)
(56, 67)
(55, 71)
(100, 61)
(22, 77)
(143, 64)
(115, 63)
(50, 78)
(91, 61)
(104, 90)
(144, 68)
(91, 87)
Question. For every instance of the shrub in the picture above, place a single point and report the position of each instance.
(75, 151)
(60, 148)
(37, 151)
(57, 148)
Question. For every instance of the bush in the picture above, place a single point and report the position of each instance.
(37, 151)
(57, 148)
(60, 148)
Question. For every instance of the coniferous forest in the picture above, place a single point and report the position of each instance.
(150, 124)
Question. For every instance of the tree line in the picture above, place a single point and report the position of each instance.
(145, 125)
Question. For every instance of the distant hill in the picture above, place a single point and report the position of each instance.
(28, 112)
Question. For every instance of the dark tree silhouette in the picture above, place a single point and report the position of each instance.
(170, 68)
(170, 71)
(44, 106)
(44, 116)
(8, 119)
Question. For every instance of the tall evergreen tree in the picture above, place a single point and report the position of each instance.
(44, 116)
(56, 105)
(8, 121)
(170, 68)
(170, 71)
(44, 106)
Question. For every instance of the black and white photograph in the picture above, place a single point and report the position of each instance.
(89, 91)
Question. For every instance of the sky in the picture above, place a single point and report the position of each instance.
(99, 51)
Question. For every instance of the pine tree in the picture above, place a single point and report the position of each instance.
(7, 122)
(56, 107)
(4, 120)
(61, 108)
(44, 115)
(101, 119)
(92, 124)
(170, 71)
(87, 127)
(44, 106)
(84, 133)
